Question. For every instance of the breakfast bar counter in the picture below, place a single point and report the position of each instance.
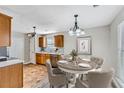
(10, 62)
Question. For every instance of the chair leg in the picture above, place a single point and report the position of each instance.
(66, 85)
(51, 86)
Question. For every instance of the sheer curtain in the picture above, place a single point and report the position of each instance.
(121, 54)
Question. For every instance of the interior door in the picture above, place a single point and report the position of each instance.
(32, 50)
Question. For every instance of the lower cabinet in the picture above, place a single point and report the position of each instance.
(42, 58)
(54, 58)
(11, 76)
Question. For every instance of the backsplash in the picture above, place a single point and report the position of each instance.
(53, 50)
(3, 51)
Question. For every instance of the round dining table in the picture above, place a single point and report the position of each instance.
(76, 68)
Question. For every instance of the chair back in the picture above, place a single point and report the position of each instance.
(49, 69)
(98, 61)
(100, 79)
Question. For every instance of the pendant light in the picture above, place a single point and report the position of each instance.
(76, 30)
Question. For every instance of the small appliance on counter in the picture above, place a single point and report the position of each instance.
(3, 58)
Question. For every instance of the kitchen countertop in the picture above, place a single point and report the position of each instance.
(10, 62)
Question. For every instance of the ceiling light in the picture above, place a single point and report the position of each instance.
(76, 30)
(32, 34)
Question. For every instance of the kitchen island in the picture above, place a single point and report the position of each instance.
(11, 73)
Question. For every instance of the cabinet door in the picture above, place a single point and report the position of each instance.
(54, 59)
(59, 41)
(43, 59)
(16, 76)
(38, 58)
(47, 57)
(42, 42)
(11, 76)
(5, 31)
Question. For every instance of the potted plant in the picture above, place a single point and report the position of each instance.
(74, 54)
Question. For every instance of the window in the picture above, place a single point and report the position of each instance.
(121, 54)
(50, 41)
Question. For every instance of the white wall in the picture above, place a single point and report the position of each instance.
(100, 43)
(17, 45)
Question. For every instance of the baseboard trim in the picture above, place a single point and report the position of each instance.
(26, 62)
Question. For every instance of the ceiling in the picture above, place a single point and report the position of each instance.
(60, 17)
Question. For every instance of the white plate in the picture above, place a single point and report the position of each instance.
(63, 62)
(84, 65)
(86, 59)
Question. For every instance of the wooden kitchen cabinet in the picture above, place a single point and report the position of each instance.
(42, 42)
(59, 40)
(54, 58)
(11, 76)
(42, 58)
(47, 57)
(5, 30)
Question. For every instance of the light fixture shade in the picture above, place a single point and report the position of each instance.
(82, 33)
(76, 30)
(71, 32)
(29, 35)
(32, 34)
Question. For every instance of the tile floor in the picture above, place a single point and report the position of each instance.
(35, 76)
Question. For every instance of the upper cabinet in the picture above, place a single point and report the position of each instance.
(59, 40)
(42, 42)
(5, 30)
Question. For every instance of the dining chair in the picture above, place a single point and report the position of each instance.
(66, 57)
(55, 79)
(98, 62)
(96, 79)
